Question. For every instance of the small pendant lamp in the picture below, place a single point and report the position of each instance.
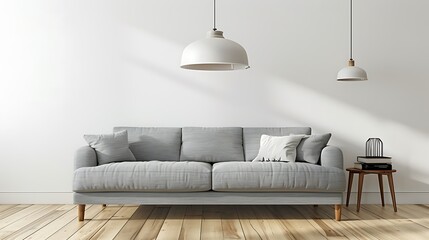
(351, 72)
(214, 53)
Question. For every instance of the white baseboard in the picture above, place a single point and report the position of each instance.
(67, 198)
(36, 197)
(401, 198)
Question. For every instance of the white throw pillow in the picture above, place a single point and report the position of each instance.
(273, 148)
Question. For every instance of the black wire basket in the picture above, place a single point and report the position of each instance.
(374, 147)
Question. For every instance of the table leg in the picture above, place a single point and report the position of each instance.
(380, 183)
(349, 187)
(392, 191)
(360, 184)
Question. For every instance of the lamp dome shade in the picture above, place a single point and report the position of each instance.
(214, 53)
(352, 73)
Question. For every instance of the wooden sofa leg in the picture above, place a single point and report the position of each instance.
(81, 212)
(338, 212)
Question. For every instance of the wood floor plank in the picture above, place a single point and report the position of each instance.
(115, 224)
(19, 215)
(10, 211)
(425, 207)
(95, 224)
(191, 227)
(154, 223)
(271, 226)
(54, 226)
(23, 222)
(251, 227)
(328, 227)
(173, 223)
(214, 222)
(39, 223)
(350, 223)
(403, 228)
(211, 225)
(73, 226)
(356, 226)
(135, 223)
(4, 207)
(416, 213)
(326, 217)
(298, 226)
(384, 227)
(231, 225)
(384, 212)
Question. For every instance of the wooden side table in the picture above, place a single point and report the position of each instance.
(362, 174)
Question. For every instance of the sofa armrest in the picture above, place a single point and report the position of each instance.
(85, 157)
(332, 157)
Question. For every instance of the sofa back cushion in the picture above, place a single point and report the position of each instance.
(154, 143)
(212, 144)
(252, 137)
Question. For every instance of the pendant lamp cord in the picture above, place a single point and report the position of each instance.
(351, 29)
(214, 15)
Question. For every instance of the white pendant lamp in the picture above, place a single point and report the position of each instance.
(214, 53)
(351, 72)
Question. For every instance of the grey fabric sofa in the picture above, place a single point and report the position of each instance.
(194, 165)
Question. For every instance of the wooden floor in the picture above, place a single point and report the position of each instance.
(59, 222)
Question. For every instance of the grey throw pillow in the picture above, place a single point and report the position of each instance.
(310, 148)
(110, 147)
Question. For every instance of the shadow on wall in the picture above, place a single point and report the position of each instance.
(351, 126)
(214, 96)
(286, 47)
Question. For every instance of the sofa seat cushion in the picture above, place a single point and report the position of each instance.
(151, 176)
(276, 177)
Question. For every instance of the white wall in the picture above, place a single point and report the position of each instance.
(74, 67)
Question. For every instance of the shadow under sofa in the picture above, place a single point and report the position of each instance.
(206, 166)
